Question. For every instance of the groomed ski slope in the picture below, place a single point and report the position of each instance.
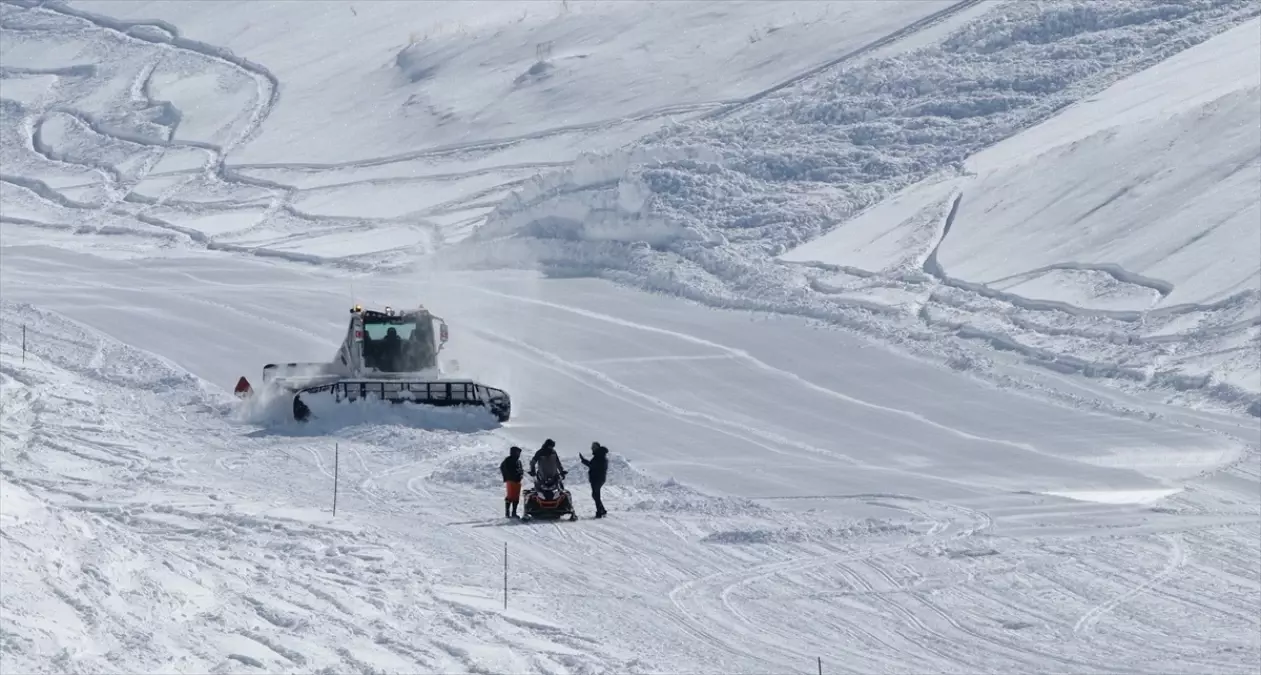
(731, 523)
(188, 195)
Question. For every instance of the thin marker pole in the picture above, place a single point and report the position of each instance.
(336, 473)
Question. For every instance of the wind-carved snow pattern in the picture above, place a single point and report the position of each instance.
(707, 209)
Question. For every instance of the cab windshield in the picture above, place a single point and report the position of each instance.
(398, 345)
(378, 331)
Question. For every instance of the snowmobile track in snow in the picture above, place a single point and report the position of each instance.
(712, 596)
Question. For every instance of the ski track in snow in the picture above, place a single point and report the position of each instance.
(162, 511)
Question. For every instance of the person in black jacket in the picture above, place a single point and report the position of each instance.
(512, 472)
(550, 461)
(597, 471)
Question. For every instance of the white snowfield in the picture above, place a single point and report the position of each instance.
(926, 336)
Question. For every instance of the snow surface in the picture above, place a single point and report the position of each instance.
(950, 364)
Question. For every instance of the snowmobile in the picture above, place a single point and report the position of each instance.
(548, 500)
(387, 356)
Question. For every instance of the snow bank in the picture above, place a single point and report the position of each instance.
(701, 209)
(591, 201)
(71, 346)
(1118, 496)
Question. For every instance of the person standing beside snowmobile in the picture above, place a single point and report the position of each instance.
(512, 473)
(597, 471)
(548, 460)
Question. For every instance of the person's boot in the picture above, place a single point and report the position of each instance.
(507, 509)
(514, 510)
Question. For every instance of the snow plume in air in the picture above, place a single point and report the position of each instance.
(266, 406)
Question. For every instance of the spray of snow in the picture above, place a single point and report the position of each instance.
(272, 409)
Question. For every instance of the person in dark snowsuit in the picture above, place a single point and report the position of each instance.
(512, 473)
(597, 471)
(550, 461)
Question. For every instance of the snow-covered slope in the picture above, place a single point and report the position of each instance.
(1123, 231)
(930, 534)
(1167, 163)
(720, 196)
(191, 190)
(420, 119)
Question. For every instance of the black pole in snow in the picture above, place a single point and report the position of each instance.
(336, 472)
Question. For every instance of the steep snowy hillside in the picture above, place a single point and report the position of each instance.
(1118, 238)
(465, 73)
(717, 198)
(189, 191)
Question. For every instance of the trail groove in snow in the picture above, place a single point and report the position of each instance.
(761, 365)
(1177, 559)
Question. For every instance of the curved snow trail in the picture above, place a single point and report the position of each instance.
(162, 213)
(762, 365)
(268, 84)
(715, 620)
(745, 433)
(779, 637)
(788, 405)
(1177, 559)
(168, 38)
